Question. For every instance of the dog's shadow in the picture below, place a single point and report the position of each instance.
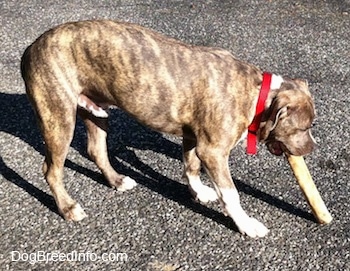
(17, 119)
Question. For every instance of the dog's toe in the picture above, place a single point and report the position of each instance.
(253, 228)
(74, 213)
(206, 194)
(127, 184)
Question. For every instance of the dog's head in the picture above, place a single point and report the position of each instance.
(286, 123)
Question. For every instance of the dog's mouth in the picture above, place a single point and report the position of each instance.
(276, 147)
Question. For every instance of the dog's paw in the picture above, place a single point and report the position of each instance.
(253, 228)
(74, 213)
(127, 184)
(205, 194)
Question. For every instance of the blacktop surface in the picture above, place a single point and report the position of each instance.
(157, 226)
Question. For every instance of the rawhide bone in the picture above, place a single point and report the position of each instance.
(309, 189)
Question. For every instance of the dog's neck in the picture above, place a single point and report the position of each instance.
(270, 84)
(276, 83)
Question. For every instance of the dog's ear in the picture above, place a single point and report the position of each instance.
(281, 113)
(302, 85)
(272, 122)
(278, 110)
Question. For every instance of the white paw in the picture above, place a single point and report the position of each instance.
(252, 227)
(206, 194)
(76, 213)
(127, 184)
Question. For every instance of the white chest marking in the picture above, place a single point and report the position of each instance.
(276, 81)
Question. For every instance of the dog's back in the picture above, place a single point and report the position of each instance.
(133, 68)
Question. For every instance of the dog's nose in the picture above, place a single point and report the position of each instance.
(307, 148)
(304, 149)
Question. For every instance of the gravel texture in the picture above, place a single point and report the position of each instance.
(157, 225)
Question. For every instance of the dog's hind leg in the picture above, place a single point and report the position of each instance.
(57, 123)
(97, 150)
(192, 169)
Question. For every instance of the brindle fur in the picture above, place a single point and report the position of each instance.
(203, 94)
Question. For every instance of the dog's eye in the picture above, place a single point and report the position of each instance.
(308, 128)
(312, 126)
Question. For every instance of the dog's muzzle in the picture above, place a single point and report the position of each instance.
(276, 147)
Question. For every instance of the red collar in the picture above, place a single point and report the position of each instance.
(260, 106)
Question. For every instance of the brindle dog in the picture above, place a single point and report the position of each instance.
(203, 94)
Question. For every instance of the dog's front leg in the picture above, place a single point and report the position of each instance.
(215, 161)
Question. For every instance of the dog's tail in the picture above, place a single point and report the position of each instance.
(25, 62)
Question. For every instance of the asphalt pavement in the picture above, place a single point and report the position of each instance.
(157, 226)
